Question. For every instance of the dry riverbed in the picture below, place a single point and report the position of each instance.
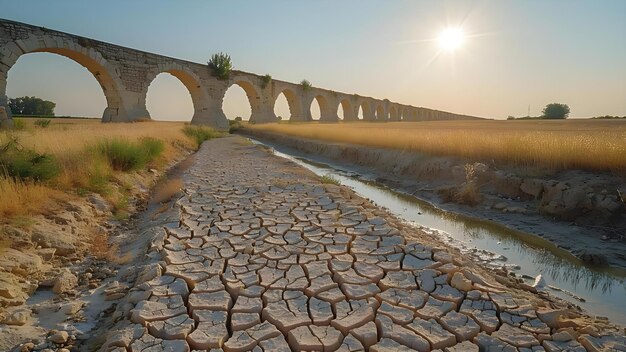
(258, 254)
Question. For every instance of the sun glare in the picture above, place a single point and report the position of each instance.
(451, 38)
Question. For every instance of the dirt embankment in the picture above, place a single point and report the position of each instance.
(59, 273)
(580, 211)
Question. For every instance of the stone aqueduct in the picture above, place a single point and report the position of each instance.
(125, 75)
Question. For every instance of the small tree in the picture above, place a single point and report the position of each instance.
(265, 81)
(238, 118)
(306, 85)
(221, 65)
(556, 111)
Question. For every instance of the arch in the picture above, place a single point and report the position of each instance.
(294, 103)
(167, 99)
(89, 58)
(365, 111)
(380, 113)
(56, 78)
(402, 113)
(189, 79)
(348, 111)
(393, 114)
(251, 94)
(324, 106)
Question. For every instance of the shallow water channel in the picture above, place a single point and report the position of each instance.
(600, 292)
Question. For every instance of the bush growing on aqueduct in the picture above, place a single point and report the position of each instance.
(221, 65)
(306, 85)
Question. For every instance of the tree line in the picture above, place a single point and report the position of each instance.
(31, 106)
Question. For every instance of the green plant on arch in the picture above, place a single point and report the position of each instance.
(306, 85)
(221, 65)
(265, 81)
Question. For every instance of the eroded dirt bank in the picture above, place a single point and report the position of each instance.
(579, 211)
(61, 274)
(258, 254)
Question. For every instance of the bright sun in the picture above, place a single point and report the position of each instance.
(451, 38)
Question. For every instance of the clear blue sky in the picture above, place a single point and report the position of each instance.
(517, 53)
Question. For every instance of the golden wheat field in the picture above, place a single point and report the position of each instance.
(70, 141)
(597, 145)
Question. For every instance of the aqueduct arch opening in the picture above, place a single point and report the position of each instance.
(189, 80)
(251, 97)
(89, 59)
(168, 99)
(393, 114)
(365, 111)
(380, 113)
(294, 103)
(322, 108)
(56, 78)
(345, 111)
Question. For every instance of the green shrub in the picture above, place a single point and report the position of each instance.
(306, 85)
(24, 164)
(43, 123)
(124, 155)
(152, 147)
(265, 81)
(99, 177)
(200, 134)
(221, 65)
(234, 126)
(19, 124)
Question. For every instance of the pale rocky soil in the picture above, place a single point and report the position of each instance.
(258, 255)
(581, 212)
(54, 284)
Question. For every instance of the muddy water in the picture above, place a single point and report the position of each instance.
(600, 292)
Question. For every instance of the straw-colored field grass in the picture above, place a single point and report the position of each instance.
(597, 145)
(82, 168)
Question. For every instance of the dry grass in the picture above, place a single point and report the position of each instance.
(598, 145)
(23, 198)
(72, 142)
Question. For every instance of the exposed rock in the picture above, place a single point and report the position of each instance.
(99, 203)
(552, 317)
(589, 257)
(17, 237)
(63, 242)
(460, 282)
(58, 337)
(16, 316)
(19, 263)
(14, 290)
(532, 187)
(65, 282)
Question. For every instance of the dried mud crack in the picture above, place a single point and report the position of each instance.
(260, 256)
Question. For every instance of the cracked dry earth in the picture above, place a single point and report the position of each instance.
(266, 258)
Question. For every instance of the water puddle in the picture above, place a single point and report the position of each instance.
(601, 292)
